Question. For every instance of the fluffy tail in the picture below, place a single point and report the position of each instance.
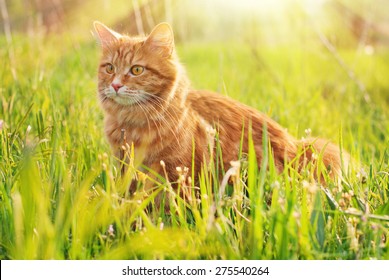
(324, 154)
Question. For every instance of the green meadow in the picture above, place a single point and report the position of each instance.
(61, 192)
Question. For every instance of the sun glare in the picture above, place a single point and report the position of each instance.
(270, 7)
(266, 6)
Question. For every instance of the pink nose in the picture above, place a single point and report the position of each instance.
(116, 87)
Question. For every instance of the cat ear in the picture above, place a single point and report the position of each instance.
(161, 40)
(105, 35)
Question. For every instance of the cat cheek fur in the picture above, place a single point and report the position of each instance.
(172, 117)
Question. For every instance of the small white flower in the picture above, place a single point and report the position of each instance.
(308, 132)
(111, 231)
(362, 175)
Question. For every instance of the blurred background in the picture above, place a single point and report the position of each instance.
(351, 23)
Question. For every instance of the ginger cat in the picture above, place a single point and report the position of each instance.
(144, 90)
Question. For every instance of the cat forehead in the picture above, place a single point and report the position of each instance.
(131, 39)
(126, 42)
(124, 46)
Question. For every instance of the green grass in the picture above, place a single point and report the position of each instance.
(61, 195)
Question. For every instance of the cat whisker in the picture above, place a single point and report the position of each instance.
(103, 99)
(164, 109)
(145, 110)
(160, 99)
(159, 117)
(168, 124)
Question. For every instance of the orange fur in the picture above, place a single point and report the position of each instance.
(161, 115)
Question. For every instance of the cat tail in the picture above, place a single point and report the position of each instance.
(324, 154)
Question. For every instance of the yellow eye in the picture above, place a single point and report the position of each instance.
(137, 70)
(109, 68)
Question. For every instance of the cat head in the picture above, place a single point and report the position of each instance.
(136, 70)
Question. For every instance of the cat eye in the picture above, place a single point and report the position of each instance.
(136, 70)
(109, 68)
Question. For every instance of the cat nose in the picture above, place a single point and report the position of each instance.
(116, 87)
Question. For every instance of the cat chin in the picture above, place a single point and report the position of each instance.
(123, 100)
(109, 100)
(118, 98)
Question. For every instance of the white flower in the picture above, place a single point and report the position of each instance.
(111, 231)
(308, 132)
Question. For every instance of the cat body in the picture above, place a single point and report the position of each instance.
(144, 91)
